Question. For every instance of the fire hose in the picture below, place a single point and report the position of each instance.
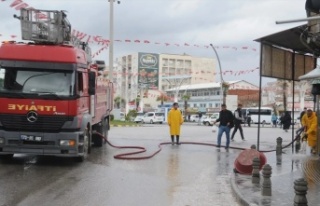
(128, 156)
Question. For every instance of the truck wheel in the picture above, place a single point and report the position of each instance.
(84, 146)
(103, 130)
(6, 156)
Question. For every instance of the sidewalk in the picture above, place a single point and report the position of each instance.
(285, 171)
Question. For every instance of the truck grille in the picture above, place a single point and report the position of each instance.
(43, 123)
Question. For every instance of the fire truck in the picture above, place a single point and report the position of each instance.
(53, 97)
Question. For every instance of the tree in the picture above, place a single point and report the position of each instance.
(185, 98)
(118, 101)
(283, 84)
(163, 98)
(131, 115)
(225, 88)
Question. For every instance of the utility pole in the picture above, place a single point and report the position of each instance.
(111, 41)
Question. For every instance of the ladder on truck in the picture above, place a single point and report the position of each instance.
(44, 26)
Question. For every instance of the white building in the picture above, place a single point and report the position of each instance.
(207, 97)
(147, 75)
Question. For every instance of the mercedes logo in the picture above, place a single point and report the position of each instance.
(32, 116)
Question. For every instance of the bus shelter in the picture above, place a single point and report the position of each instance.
(285, 56)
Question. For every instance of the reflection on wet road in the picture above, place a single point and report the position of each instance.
(178, 175)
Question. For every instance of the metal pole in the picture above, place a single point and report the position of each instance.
(298, 20)
(221, 77)
(318, 126)
(293, 84)
(260, 94)
(111, 43)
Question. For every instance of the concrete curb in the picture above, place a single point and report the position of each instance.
(236, 192)
(116, 125)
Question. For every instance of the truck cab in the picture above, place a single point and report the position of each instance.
(53, 98)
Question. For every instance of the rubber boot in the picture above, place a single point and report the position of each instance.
(178, 143)
(172, 139)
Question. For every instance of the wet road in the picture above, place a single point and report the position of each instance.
(179, 175)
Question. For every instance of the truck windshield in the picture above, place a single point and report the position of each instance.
(34, 81)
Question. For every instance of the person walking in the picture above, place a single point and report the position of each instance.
(248, 120)
(286, 121)
(175, 121)
(238, 119)
(226, 123)
(274, 119)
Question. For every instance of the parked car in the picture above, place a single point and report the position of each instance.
(194, 118)
(153, 117)
(139, 118)
(210, 120)
(203, 117)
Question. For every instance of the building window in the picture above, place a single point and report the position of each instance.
(203, 105)
(195, 105)
(165, 62)
(171, 62)
(210, 104)
(217, 105)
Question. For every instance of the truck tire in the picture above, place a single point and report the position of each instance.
(103, 130)
(6, 156)
(84, 146)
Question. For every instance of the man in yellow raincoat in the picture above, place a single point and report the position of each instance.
(310, 122)
(175, 120)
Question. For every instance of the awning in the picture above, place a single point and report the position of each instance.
(289, 39)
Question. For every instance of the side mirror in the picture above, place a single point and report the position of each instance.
(92, 83)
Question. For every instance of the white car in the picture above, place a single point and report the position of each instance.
(210, 120)
(153, 117)
(194, 118)
(139, 118)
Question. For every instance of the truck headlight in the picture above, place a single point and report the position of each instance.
(1, 140)
(69, 143)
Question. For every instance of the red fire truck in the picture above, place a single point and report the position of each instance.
(52, 96)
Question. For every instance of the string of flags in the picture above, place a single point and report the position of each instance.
(99, 51)
(226, 72)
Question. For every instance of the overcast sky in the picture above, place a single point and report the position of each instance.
(232, 25)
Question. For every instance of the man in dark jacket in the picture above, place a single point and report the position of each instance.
(238, 119)
(226, 123)
(286, 121)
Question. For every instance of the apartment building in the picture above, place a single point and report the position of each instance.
(141, 74)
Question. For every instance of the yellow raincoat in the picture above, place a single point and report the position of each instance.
(311, 124)
(304, 119)
(174, 121)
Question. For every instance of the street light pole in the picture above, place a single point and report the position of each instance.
(111, 42)
(222, 89)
